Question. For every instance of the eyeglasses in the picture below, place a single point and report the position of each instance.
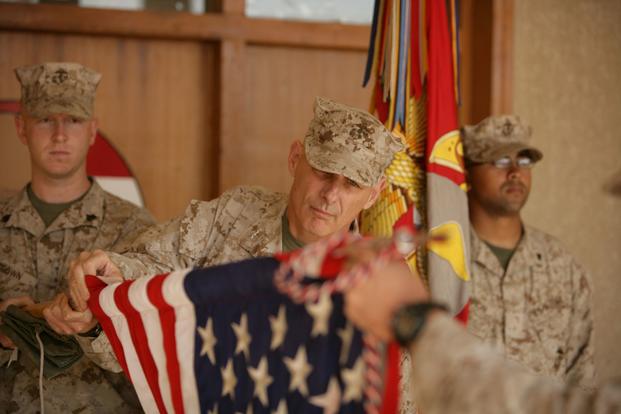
(507, 162)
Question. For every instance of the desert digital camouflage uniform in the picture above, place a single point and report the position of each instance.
(34, 258)
(469, 377)
(34, 261)
(246, 221)
(539, 310)
(242, 223)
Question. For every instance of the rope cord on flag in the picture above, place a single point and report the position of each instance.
(290, 275)
(323, 258)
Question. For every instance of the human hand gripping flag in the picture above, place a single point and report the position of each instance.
(261, 335)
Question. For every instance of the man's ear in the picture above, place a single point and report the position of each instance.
(93, 124)
(296, 151)
(375, 192)
(20, 128)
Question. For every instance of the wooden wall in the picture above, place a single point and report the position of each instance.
(152, 104)
(198, 104)
(281, 84)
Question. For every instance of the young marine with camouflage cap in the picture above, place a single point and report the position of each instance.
(58, 214)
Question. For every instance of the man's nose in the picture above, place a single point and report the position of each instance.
(60, 131)
(514, 171)
(330, 192)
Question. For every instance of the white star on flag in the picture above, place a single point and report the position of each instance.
(354, 381)
(282, 408)
(331, 400)
(346, 334)
(320, 312)
(261, 379)
(243, 337)
(209, 341)
(299, 369)
(229, 380)
(279, 327)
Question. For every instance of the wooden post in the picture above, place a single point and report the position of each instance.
(232, 113)
(232, 109)
(502, 57)
(230, 7)
(475, 63)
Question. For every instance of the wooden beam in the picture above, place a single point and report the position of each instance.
(179, 25)
(142, 24)
(317, 35)
(232, 83)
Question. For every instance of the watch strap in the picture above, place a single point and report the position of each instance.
(409, 321)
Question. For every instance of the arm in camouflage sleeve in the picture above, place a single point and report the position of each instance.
(581, 364)
(177, 244)
(139, 221)
(132, 264)
(99, 350)
(155, 251)
(454, 372)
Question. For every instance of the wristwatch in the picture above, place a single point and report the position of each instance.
(409, 320)
(93, 333)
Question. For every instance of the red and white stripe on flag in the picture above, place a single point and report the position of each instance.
(136, 315)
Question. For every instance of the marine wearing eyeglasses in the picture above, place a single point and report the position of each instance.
(528, 294)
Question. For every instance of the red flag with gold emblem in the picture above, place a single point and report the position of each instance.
(413, 62)
(447, 205)
(412, 58)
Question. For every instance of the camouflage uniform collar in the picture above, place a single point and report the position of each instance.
(265, 237)
(483, 255)
(19, 212)
(529, 248)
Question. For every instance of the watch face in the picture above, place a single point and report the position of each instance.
(406, 325)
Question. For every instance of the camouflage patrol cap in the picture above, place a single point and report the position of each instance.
(58, 88)
(496, 137)
(349, 142)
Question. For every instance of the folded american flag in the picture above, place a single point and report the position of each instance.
(226, 339)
